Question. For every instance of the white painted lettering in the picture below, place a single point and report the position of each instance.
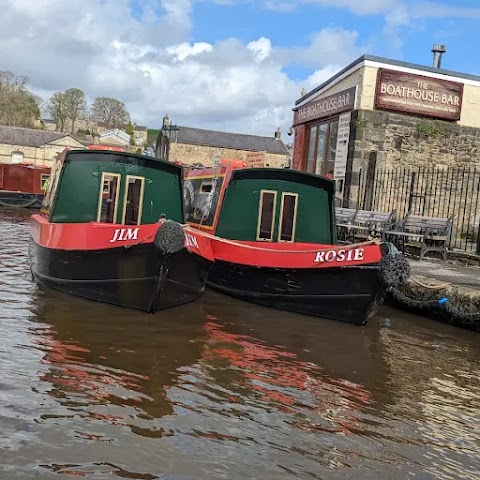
(341, 256)
(358, 254)
(330, 256)
(320, 257)
(131, 234)
(191, 241)
(115, 235)
(123, 234)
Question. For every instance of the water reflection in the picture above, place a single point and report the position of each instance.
(224, 389)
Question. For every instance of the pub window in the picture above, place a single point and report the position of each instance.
(108, 200)
(132, 208)
(266, 215)
(288, 217)
(322, 145)
(44, 178)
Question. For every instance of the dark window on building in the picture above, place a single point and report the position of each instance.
(288, 217)
(108, 202)
(322, 145)
(266, 215)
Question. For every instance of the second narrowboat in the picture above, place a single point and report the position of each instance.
(273, 238)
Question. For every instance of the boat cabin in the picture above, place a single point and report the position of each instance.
(260, 204)
(112, 187)
(26, 178)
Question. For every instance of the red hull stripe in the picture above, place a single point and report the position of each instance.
(103, 236)
(295, 255)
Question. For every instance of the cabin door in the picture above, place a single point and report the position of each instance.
(121, 199)
(277, 216)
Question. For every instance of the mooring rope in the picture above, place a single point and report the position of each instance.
(265, 249)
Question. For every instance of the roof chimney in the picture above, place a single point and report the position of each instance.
(278, 134)
(438, 50)
(166, 121)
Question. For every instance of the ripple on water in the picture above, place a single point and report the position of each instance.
(223, 389)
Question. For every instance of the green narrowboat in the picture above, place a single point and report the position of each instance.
(111, 229)
(273, 237)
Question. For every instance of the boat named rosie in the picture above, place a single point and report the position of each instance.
(273, 238)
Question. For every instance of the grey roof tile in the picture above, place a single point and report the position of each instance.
(237, 141)
(28, 137)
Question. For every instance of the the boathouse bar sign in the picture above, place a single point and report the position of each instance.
(417, 94)
(325, 107)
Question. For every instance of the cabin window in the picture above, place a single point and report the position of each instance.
(106, 187)
(206, 187)
(108, 201)
(44, 178)
(17, 157)
(266, 215)
(288, 217)
(132, 209)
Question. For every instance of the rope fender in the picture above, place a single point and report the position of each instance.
(170, 237)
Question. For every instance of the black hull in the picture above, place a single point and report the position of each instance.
(139, 277)
(20, 199)
(348, 294)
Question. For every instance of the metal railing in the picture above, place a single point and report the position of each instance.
(433, 191)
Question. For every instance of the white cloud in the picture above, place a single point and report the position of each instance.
(147, 61)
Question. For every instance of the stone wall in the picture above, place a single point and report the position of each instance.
(401, 139)
(409, 141)
(43, 155)
(190, 154)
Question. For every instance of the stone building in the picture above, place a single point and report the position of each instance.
(189, 145)
(381, 113)
(26, 145)
(94, 130)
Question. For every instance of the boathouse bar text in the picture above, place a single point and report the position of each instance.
(418, 94)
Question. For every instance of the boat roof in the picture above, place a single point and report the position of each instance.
(144, 160)
(282, 174)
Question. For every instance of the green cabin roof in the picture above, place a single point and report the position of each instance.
(113, 187)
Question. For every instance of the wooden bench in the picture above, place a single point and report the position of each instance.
(369, 223)
(433, 233)
(344, 219)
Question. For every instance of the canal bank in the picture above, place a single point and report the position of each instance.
(442, 291)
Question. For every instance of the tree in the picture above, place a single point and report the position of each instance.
(18, 106)
(110, 111)
(75, 105)
(57, 110)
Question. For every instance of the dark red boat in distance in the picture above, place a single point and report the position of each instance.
(273, 237)
(23, 185)
(111, 229)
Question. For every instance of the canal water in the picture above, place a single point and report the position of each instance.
(221, 389)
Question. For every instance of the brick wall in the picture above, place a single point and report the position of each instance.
(190, 154)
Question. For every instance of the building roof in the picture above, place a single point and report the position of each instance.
(237, 141)
(29, 137)
(389, 61)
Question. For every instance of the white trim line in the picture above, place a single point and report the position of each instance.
(373, 64)
(423, 73)
(334, 82)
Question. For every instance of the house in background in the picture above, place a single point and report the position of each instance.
(38, 147)
(93, 129)
(115, 137)
(189, 145)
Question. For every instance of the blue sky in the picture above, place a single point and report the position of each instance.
(236, 65)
